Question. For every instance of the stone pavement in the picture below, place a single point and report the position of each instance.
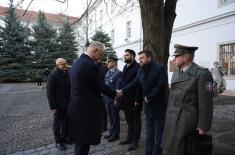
(26, 125)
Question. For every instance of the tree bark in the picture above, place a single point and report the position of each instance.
(157, 21)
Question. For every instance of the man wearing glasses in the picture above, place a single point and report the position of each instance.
(58, 94)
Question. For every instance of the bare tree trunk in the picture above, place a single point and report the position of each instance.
(157, 20)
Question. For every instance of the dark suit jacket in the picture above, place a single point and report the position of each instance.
(84, 112)
(128, 75)
(153, 81)
(58, 89)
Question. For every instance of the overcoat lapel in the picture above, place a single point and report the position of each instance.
(185, 75)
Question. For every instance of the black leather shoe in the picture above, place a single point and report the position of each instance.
(60, 146)
(113, 138)
(126, 141)
(107, 136)
(133, 146)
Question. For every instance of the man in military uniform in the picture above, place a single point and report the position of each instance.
(190, 106)
(112, 79)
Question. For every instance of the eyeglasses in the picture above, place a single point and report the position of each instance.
(63, 64)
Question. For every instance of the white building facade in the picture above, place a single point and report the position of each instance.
(210, 25)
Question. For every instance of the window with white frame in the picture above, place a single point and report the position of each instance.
(225, 2)
(227, 58)
(101, 16)
(128, 29)
(112, 36)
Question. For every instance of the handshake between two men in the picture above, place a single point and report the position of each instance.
(120, 94)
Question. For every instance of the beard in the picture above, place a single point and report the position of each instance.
(127, 61)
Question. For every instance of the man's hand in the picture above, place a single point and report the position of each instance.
(116, 104)
(119, 93)
(146, 100)
(54, 110)
(201, 131)
(137, 104)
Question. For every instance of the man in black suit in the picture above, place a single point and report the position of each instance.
(132, 109)
(84, 112)
(153, 81)
(58, 94)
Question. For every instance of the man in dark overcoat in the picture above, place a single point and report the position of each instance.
(132, 109)
(58, 94)
(153, 81)
(84, 113)
(190, 106)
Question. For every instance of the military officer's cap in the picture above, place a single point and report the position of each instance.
(181, 49)
(113, 57)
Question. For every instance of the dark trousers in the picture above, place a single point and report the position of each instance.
(104, 117)
(133, 119)
(114, 119)
(39, 81)
(59, 125)
(82, 149)
(154, 130)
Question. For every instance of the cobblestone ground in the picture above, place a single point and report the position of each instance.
(25, 119)
(26, 125)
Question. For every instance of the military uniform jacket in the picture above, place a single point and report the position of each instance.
(112, 79)
(190, 106)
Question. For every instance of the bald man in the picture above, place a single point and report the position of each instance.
(58, 94)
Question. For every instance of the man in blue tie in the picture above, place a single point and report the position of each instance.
(112, 79)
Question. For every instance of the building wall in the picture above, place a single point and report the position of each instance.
(206, 24)
(205, 29)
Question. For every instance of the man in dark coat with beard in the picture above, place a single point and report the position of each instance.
(84, 113)
(153, 81)
(132, 109)
(58, 94)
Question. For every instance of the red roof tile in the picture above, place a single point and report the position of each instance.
(33, 15)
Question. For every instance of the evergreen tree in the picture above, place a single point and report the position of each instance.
(67, 46)
(105, 39)
(14, 50)
(44, 44)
